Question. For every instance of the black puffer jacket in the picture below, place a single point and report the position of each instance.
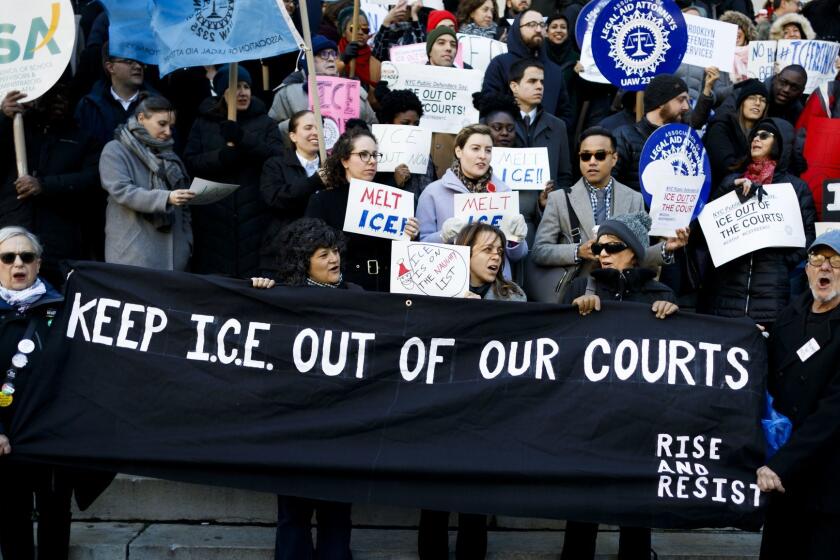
(228, 234)
(629, 140)
(726, 145)
(634, 284)
(758, 284)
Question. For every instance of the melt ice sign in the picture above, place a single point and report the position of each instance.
(377, 210)
(522, 169)
(488, 207)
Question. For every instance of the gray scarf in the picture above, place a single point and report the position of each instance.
(167, 171)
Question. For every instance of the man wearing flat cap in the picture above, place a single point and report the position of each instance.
(803, 517)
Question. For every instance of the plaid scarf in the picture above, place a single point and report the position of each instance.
(480, 185)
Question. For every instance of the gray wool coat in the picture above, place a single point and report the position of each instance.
(129, 237)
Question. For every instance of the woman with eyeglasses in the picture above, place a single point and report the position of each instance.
(355, 156)
(230, 232)
(27, 306)
(147, 222)
(758, 285)
(567, 230)
(620, 247)
(470, 172)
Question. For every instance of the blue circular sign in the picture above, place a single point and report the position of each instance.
(634, 40)
(674, 157)
(586, 19)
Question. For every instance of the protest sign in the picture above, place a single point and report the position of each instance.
(358, 396)
(446, 93)
(761, 60)
(488, 207)
(37, 46)
(340, 102)
(583, 36)
(430, 269)
(522, 169)
(831, 200)
(733, 228)
(377, 210)
(182, 34)
(825, 227)
(402, 144)
(479, 51)
(817, 57)
(634, 40)
(710, 42)
(586, 19)
(208, 192)
(675, 176)
(409, 54)
(376, 14)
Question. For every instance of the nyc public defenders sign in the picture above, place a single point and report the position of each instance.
(450, 404)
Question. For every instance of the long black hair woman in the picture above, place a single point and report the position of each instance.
(27, 305)
(308, 253)
(355, 156)
(487, 255)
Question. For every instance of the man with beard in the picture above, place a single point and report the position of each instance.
(666, 101)
(112, 100)
(803, 517)
(526, 41)
(59, 199)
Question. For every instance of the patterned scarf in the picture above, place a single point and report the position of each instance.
(761, 172)
(21, 299)
(315, 284)
(472, 28)
(167, 171)
(480, 185)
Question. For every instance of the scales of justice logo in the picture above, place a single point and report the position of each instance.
(639, 42)
(214, 16)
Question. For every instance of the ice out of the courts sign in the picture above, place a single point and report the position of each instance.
(634, 40)
(36, 42)
(675, 176)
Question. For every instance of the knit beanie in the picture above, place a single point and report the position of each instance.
(435, 33)
(770, 126)
(748, 88)
(662, 89)
(222, 78)
(344, 16)
(437, 16)
(633, 229)
(321, 43)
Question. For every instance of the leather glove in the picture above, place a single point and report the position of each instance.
(231, 132)
(451, 228)
(351, 51)
(514, 228)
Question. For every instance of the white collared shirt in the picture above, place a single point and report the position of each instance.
(532, 114)
(312, 166)
(126, 103)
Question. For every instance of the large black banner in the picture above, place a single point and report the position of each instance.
(461, 405)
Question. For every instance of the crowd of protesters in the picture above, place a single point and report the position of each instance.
(112, 149)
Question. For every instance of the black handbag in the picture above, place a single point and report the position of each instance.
(548, 284)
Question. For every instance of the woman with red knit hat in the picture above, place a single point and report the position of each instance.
(402, 27)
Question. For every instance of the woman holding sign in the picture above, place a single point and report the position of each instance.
(355, 156)
(758, 284)
(470, 173)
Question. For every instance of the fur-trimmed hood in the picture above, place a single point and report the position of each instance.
(800, 20)
(742, 21)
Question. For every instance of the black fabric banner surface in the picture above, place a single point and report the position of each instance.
(459, 405)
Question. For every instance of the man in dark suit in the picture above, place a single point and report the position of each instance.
(803, 518)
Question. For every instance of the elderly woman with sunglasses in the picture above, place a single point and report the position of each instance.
(27, 306)
(355, 156)
(595, 198)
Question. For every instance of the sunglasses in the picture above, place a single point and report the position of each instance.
(610, 248)
(763, 135)
(28, 257)
(600, 155)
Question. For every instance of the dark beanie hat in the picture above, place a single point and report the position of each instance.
(662, 89)
(437, 16)
(321, 43)
(435, 33)
(748, 88)
(770, 126)
(222, 77)
(344, 16)
(633, 229)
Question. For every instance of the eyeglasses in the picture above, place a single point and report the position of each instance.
(28, 257)
(610, 248)
(600, 155)
(763, 135)
(816, 260)
(364, 30)
(534, 25)
(365, 157)
(327, 54)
